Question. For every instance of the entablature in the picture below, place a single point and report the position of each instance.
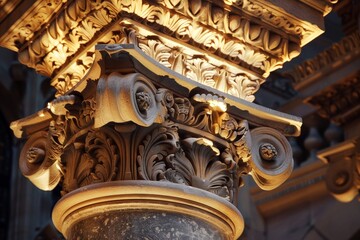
(252, 37)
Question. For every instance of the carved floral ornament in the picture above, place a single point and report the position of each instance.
(124, 126)
(230, 36)
(347, 48)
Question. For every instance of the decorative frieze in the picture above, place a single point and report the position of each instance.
(340, 102)
(345, 50)
(241, 38)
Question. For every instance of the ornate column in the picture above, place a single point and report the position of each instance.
(153, 128)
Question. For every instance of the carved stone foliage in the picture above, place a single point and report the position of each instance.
(191, 161)
(340, 102)
(222, 36)
(198, 68)
(346, 48)
(132, 129)
(98, 158)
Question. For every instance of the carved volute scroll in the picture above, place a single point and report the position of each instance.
(272, 158)
(37, 164)
(123, 98)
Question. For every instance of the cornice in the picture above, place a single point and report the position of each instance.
(255, 35)
(32, 16)
(324, 6)
(337, 55)
(276, 13)
(339, 102)
(6, 7)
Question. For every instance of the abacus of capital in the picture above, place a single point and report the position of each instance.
(153, 123)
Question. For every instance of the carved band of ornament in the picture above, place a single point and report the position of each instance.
(348, 46)
(340, 101)
(276, 18)
(81, 21)
(211, 14)
(199, 69)
(196, 67)
(28, 25)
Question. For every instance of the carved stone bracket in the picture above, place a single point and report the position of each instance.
(343, 174)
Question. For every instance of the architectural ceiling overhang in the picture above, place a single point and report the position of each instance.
(228, 40)
(288, 125)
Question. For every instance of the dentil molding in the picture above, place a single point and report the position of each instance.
(224, 39)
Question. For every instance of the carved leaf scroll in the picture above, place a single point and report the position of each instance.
(156, 147)
(99, 159)
(206, 169)
(193, 161)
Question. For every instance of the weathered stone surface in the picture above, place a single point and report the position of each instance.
(137, 224)
(146, 210)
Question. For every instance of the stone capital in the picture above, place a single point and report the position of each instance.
(132, 119)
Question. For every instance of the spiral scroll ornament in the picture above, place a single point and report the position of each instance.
(272, 161)
(36, 164)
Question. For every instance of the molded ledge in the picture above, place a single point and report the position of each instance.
(167, 209)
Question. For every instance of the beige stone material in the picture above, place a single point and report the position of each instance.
(142, 196)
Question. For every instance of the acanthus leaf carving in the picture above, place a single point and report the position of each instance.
(192, 161)
(156, 147)
(97, 158)
(209, 172)
(83, 21)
